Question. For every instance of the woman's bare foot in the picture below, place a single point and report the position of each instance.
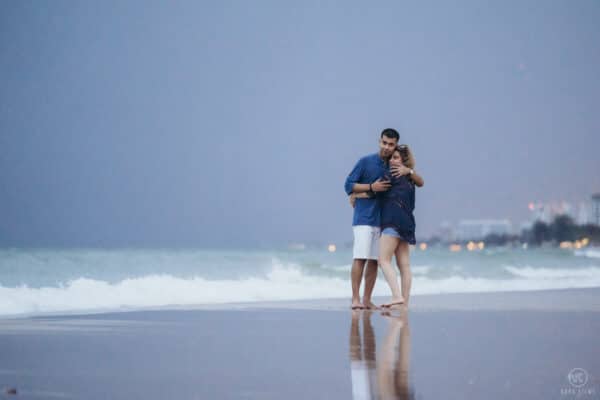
(395, 301)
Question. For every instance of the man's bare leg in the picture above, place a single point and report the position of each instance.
(370, 278)
(358, 266)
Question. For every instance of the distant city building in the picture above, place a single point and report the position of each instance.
(584, 215)
(445, 232)
(541, 212)
(595, 209)
(547, 212)
(525, 226)
(480, 228)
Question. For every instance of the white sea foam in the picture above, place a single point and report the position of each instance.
(458, 284)
(416, 269)
(284, 282)
(591, 273)
(340, 268)
(590, 253)
(420, 269)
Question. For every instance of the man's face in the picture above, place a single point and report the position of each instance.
(387, 147)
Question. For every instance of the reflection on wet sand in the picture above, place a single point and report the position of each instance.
(383, 374)
(362, 356)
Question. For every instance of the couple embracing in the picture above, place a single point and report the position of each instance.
(381, 187)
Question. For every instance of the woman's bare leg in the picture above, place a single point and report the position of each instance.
(387, 247)
(403, 260)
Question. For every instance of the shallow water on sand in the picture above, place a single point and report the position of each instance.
(299, 354)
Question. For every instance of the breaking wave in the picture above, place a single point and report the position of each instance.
(283, 282)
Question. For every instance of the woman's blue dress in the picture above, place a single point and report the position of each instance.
(397, 206)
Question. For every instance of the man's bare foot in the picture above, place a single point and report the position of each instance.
(395, 301)
(369, 305)
(356, 305)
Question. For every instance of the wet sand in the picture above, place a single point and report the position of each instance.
(535, 345)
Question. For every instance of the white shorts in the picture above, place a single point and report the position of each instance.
(366, 242)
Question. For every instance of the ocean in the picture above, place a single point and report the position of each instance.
(54, 281)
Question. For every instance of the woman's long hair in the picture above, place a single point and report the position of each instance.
(407, 157)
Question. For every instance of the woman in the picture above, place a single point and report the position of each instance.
(398, 222)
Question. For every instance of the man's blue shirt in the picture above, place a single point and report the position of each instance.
(367, 170)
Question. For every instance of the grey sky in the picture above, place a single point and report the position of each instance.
(235, 123)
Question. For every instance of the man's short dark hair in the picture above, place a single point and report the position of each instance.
(390, 133)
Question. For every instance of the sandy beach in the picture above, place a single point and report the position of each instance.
(534, 345)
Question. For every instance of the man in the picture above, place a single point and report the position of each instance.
(366, 177)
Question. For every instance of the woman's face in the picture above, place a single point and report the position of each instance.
(396, 159)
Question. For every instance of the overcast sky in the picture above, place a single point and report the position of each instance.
(141, 123)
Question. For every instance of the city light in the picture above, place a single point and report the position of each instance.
(472, 246)
(531, 206)
(331, 248)
(566, 245)
(455, 248)
(423, 246)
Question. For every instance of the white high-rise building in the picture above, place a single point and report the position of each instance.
(595, 217)
(583, 214)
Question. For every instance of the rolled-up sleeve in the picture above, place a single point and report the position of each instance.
(354, 177)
